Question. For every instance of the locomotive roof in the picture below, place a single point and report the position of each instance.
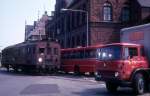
(27, 43)
(22, 44)
(15, 45)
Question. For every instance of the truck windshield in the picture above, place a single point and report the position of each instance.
(109, 53)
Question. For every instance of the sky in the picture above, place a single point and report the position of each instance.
(14, 13)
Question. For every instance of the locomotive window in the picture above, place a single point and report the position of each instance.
(23, 50)
(49, 50)
(33, 50)
(41, 50)
(55, 51)
(28, 50)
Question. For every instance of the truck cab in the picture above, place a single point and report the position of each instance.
(122, 64)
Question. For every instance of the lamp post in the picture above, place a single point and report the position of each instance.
(87, 19)
(0, 55)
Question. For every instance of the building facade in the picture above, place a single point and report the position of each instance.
(105, 19)
(28, 30)
(37, 30)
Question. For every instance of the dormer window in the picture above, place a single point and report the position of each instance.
(107, 11)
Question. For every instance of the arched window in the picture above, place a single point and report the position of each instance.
(126, 13)
(107, 11)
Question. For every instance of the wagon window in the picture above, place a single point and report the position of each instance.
(90, 53)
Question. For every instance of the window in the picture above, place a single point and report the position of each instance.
(33, 50)
(131, 52)
(49, 50)
(107, 12)
(109, 53)
(90, 53)
(126, 14)
(41, 50)
(55, 51)
(142, 52)
(73, 54)
(83, 39)
(73, 42)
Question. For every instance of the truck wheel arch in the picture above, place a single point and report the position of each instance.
(143, 72)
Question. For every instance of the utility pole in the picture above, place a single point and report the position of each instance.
(0, 56)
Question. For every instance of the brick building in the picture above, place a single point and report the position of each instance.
(106, 18)
(28, 30)
(37, 30)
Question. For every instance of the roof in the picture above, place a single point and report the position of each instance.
(144, 3)
(100, 46)
(122, 44)
(68, 2)
(135, 27)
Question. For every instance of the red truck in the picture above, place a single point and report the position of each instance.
(126, 64)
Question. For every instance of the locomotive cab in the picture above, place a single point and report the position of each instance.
(48, 56)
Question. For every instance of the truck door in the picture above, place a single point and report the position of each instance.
(132, 59)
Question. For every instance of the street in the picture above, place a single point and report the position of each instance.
(19, 84)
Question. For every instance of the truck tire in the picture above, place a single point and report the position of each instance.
(139, 84)
(111, 87)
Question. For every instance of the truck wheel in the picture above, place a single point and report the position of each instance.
(139, 84)
(111, 87)
(91, 73)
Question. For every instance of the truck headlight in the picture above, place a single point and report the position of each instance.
(40, 60)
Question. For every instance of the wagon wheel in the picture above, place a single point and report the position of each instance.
(77, 70)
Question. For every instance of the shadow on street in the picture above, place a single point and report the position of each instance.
(104, 92)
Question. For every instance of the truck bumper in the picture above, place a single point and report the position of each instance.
(115, 80)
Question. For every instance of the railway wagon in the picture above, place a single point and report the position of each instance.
(80, 60)
(32, 55)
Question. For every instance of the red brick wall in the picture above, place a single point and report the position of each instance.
(104, 35)
(106, 32)
(96, 9)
